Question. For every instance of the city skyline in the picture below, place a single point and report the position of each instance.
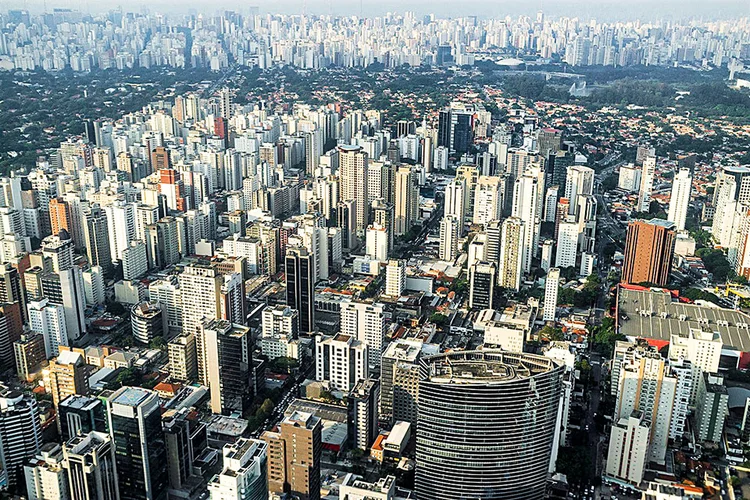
(649, 11)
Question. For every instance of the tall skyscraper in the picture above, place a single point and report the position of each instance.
(647, 184)
(450, 229)
(244, 474)
(340, 360)
(140, 452)
(455, 199)
(527, 199)
(67, 376)
(399, 379)
(363, 413)
(90, 465)
(497, 443)
(395, 278)
(679, 201)
(482, 285)
(628, 448)
(649, 248)
(578, 181)
(96, 234)
(551, 286)
(406, 200)
(294, 455)
(511, 254)
(365, 322)
(79, 415)
(353, 175)
(488, 199)
(229, 363)
(20, 433)
(645, 384)
(299, 269)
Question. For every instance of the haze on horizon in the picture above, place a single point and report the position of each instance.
(601, 10)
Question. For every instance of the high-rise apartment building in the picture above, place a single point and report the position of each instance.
(646, 384)
(450, 230)
(140, 454)
(66, 289)
(647, 184)
(395, 278)
(578, 181)
(341, 360)
(527, 205)
(455, 199)
(468, 404)
(702, 347)
(366, 323)
(183, 365)
(511, 254)
(45, 477)
(200, 287)
(29, 354)
(121, 226)
(649, 248)
(712, 407)
(20, 433)
(551, 287)
(628, 448)
(399, 379)
(294, 455)
(280, 325)
(66, 375)
(49, 320)
(679, 201)
(488, 199)
(353, 175)
(406, 200)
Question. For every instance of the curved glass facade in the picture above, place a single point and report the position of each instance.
(486, 425)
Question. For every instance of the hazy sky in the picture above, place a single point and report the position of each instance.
(599, 9)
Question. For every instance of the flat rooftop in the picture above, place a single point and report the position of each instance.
(131, 396)
(654, 314)
(79, 402)
(488, 366)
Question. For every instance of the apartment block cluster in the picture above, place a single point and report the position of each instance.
(81, 41)
(224, 230)
(661, 401)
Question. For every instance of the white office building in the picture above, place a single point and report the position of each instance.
(341, 360)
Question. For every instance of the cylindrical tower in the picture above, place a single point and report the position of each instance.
(147, 322)
(486, 425)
